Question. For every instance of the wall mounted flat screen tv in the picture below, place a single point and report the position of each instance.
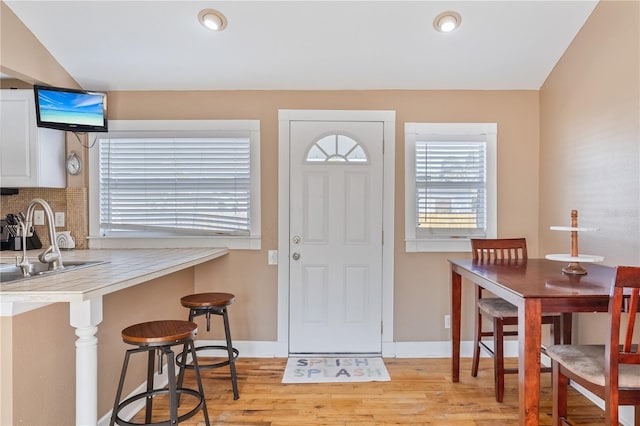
(70, 109)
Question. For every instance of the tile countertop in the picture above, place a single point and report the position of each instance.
(124, 268)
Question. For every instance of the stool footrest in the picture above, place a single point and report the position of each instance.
(152, 393)
(202, 366)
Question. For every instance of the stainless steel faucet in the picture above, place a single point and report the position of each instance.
(51, 255)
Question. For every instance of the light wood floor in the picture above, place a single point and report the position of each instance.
(420, 393)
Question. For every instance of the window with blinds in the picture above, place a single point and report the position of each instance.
(175, 185)
(450, 196)
(450, 185)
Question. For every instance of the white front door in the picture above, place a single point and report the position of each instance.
(335, 237)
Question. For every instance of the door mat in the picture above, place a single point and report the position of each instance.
(335, 369)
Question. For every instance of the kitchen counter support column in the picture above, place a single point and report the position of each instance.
(85, 317)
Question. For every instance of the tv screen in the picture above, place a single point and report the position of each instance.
(70, 109)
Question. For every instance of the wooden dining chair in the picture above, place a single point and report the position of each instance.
(611, 371)
(499, 311)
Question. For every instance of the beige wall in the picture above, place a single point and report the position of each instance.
(6, 371)
(43, 367)
(24, 57)
(590, 142)
(421, 293)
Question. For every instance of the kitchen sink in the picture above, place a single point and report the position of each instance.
(10, 272)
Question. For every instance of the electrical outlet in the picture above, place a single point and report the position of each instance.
(38, 217)
(59, 219)
(447, 321)
(273, 257)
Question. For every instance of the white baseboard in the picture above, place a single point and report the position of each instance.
(442, 349)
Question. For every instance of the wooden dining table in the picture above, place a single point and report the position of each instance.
(535, 286)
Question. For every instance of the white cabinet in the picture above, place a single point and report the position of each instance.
(30, 157)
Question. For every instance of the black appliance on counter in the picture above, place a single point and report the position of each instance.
(10, 238)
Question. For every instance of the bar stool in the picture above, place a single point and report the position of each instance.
(158, 337)
(207, 304)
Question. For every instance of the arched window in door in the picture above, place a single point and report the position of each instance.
(336, 148)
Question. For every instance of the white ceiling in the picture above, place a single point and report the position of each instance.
(305, 45)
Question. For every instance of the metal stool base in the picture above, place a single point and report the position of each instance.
(152, 393)
(202, 366)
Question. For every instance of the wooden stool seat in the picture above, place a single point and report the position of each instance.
(156, 333)
(207, 300)
(216, 304)
(158, 337)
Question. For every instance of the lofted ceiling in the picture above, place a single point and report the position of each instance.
(305, 45)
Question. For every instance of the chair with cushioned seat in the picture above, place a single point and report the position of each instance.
(499, 311)
(611, 371)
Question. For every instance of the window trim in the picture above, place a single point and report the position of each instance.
(183, 128)
(413, 131)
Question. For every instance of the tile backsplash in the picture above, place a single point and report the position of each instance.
(72, 201)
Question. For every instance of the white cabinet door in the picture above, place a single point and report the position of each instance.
(29, 156)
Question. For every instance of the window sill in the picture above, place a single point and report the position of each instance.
(232, 243)
(438, 245)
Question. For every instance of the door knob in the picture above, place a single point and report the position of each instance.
(295, 256)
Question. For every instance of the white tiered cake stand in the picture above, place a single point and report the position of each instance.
(574, 259)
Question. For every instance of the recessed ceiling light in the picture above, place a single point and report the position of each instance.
(212, 20)
(447, 21)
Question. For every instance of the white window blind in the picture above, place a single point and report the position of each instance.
(177, 185)
(450, 196)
